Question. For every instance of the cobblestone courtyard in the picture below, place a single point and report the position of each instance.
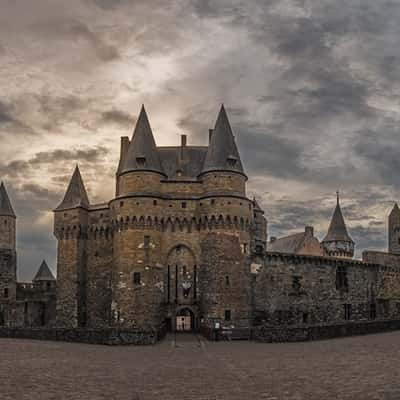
(357, 368)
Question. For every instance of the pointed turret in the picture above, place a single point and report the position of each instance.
(76, 195)
(44, 273)
(222, 154)
(394, 230)
(6, 209)
(142, 153)
(337, 242)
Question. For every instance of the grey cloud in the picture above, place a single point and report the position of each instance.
(118, 117)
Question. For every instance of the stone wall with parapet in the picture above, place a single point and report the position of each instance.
(381, 258)
(109, 336)
(298, 290)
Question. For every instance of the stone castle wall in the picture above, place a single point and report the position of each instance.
(293, 290)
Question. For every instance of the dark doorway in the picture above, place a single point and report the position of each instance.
(185, 320)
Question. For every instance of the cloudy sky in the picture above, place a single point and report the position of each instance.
(311, 87)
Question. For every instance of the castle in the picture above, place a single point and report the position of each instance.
(182, 246)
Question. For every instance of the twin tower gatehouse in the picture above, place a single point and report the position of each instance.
(174, 244)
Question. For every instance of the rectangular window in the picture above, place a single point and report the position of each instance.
(227, 280)
(227, 315)
(136, 278)
(184, 204)
(341, 278)
(146, 242)
(305, 318)
(244, 248)
(372, 311)
(347, 312)
(5, 293)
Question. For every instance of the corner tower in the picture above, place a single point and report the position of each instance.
(337, 242)
(8, 257)
(223, 169)
(70, 229)
(394, 230)
(140, 168)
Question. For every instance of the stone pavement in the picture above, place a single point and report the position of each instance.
(357, 368)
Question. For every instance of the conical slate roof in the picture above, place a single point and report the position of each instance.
(76, 195)
(337, 229)
(256, 205)
(142, 152)
(5, 204)
(395, 210)
(222, 152)
(44, 273)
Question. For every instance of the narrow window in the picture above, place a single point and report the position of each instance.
(244, 248)
(184, 204)
(227, 315)
(136, 278)
(347, 312)
(227, 280)
(5, 222)
(146, 242)
(154, 202)
(212, 202)
(341, 278)
(372, 311)
(305, 318)
(5, 293)
(121, 203)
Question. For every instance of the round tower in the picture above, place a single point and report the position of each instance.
(394, 230)
(337, 242)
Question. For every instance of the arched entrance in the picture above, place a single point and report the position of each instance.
(185, 320)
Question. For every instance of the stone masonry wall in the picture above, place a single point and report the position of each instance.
(292, 290)
(224, 281)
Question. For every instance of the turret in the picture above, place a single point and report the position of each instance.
(7, 221)
(140, 168)
(223, 169)
(44, 278)
(394, 230)
(337, 242)
(8, 258)
(70, 228)
(259, 234)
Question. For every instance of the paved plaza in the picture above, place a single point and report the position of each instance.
(357, 368)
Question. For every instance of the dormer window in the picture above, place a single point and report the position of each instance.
(232, 161)
(141, 161)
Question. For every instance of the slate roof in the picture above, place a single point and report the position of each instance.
(222, 152)
(287, 244)
(5, 204)
(44, 273)
(142, 147)
(395, 210)
(188, 159)
(337, 229)
(76, 195)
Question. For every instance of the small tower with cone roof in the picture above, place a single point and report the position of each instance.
(394, 230)
(337, 242)
(70, 228)
(8, 257)
(44, 278)
(139, 169)
(223, 169)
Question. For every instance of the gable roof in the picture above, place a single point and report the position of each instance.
(287, 244)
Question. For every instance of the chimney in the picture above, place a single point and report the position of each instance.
(210, 132)
(309, 231)
(183, 140)
(272, 239)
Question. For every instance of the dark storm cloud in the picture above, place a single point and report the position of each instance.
(118, 117)
(22, 168)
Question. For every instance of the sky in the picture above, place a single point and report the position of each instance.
(311, 88)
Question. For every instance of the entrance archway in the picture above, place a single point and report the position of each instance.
(185, 320)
